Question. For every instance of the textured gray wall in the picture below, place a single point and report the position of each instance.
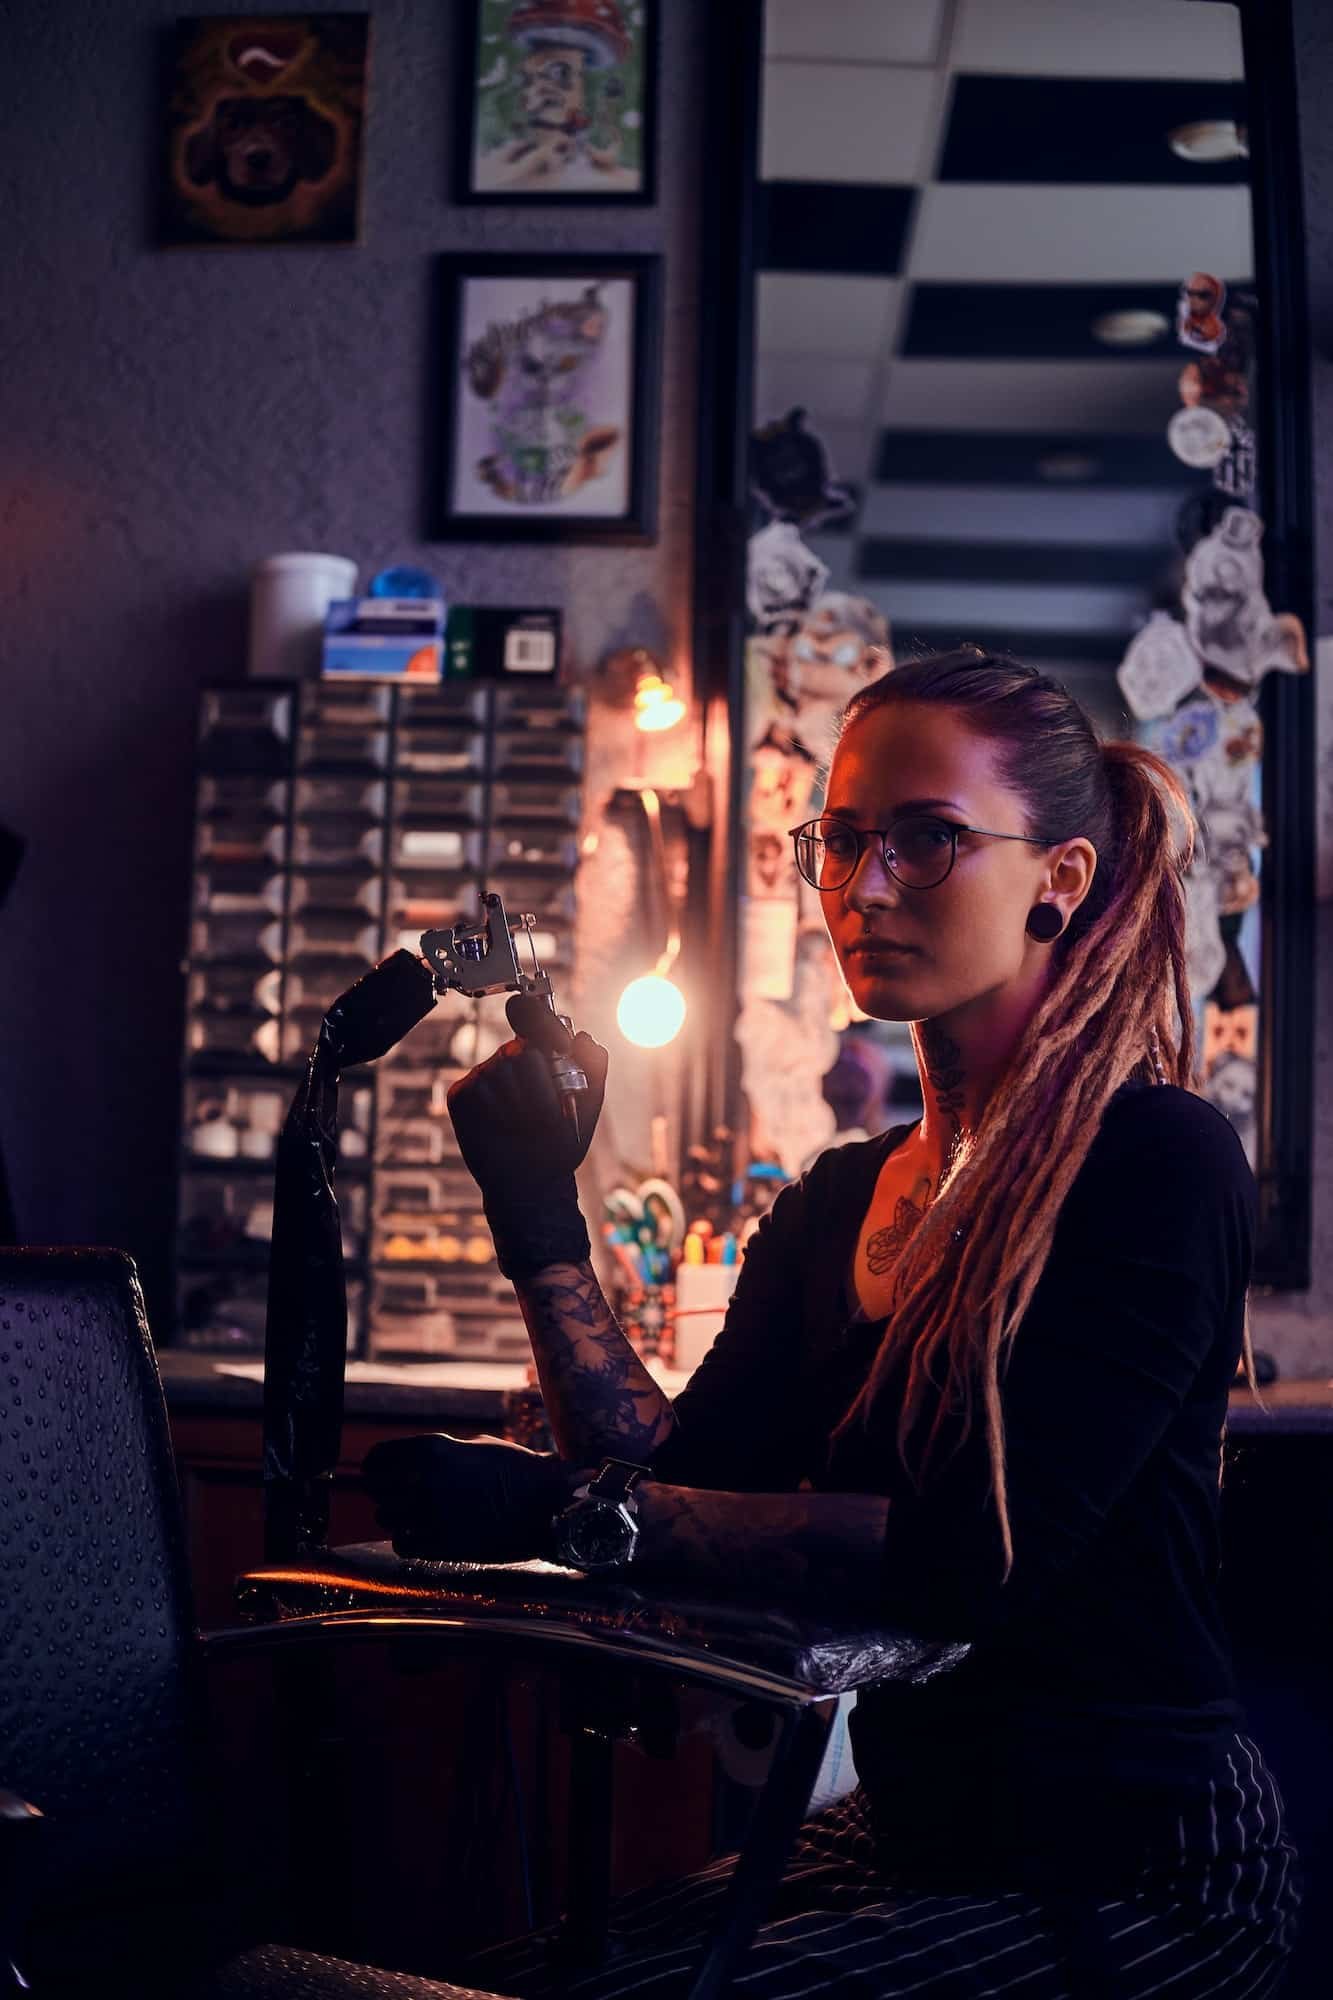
(167, 418)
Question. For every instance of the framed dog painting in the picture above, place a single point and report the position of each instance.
(559, 100)
(549, 404)
(264, 124)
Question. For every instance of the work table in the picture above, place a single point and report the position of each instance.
(473, 1392)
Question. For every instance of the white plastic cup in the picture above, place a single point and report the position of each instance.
(289, 595)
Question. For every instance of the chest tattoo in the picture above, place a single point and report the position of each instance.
(886, 1245)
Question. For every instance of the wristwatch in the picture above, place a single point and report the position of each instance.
(599, 1529)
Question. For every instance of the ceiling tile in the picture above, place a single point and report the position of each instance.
(832, 390)
(1061, 461)
(1027, 607)
(819, 313)
(1120, 517)
(1089, 654)
(1079, 235)
(1195, 38)
(853, 30)
(847, 122)
(1020, 560)
(845, 226)
(849, 446)
(1113, 130)
(995, 322)
(1126, 396)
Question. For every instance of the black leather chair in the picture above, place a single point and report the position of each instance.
(109, 1882)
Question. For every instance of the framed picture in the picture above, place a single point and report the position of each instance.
(549, 398)
(559, 100)
(264, 121)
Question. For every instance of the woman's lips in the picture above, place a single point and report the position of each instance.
(881, 954)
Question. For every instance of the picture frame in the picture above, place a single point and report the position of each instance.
(548, 395)
(263, 129)
(557, 102)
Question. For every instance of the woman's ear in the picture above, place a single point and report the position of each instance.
(1072, 872)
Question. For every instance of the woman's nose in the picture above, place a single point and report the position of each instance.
(872, 884)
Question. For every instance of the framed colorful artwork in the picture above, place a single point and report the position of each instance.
(549, 398)
(558, 100)
(264, 125)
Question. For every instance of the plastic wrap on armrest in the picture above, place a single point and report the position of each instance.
(814, 1655)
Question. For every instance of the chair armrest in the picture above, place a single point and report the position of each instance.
(751, 1648)
(15, 1870)
(16, 1810)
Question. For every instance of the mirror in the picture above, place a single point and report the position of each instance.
(1004, 354)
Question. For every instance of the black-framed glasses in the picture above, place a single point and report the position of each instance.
(919, 849)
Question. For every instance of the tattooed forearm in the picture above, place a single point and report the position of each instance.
(806, 1551)
(600, 1399)
(886, 1245)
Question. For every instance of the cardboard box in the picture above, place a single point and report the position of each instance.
(384, 639)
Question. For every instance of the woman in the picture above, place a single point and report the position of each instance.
(974, 1380)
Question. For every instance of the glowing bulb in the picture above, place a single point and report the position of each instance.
(662, 714)
(650, 1011)
(656, 705)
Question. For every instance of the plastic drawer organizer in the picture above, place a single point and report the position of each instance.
(333, 824)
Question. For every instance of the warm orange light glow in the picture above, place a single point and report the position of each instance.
(656, 704)
(650, 1012)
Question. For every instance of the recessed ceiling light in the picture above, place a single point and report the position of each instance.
(1137, 326)
(1068, 465)
(1209, 140)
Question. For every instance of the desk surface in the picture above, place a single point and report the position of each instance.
(475, 1391)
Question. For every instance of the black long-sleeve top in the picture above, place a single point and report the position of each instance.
(1097, 1691)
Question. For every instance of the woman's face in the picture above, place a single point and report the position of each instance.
(966, 935)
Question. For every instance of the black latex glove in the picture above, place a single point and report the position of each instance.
(473, 1500)
(518, 1143)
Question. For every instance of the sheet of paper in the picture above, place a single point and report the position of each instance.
(445, 1374)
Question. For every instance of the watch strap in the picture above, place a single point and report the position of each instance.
(616, 1479)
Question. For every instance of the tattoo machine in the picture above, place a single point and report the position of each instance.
(483, 960)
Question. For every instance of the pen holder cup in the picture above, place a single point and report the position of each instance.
(702, 1295)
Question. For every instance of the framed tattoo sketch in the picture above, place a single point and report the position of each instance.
(558, 101)
(548, 420)
(264, 126)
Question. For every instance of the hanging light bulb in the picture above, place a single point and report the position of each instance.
(656, 703)
(651, 1011)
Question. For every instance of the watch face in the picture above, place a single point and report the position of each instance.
(599, 1535)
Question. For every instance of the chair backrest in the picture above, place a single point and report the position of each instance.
(97, 1689)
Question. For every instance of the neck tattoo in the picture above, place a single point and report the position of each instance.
(946, 1076)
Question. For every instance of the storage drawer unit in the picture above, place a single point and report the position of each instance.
(335, 823)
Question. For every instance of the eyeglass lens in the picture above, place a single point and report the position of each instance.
(919, 851)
